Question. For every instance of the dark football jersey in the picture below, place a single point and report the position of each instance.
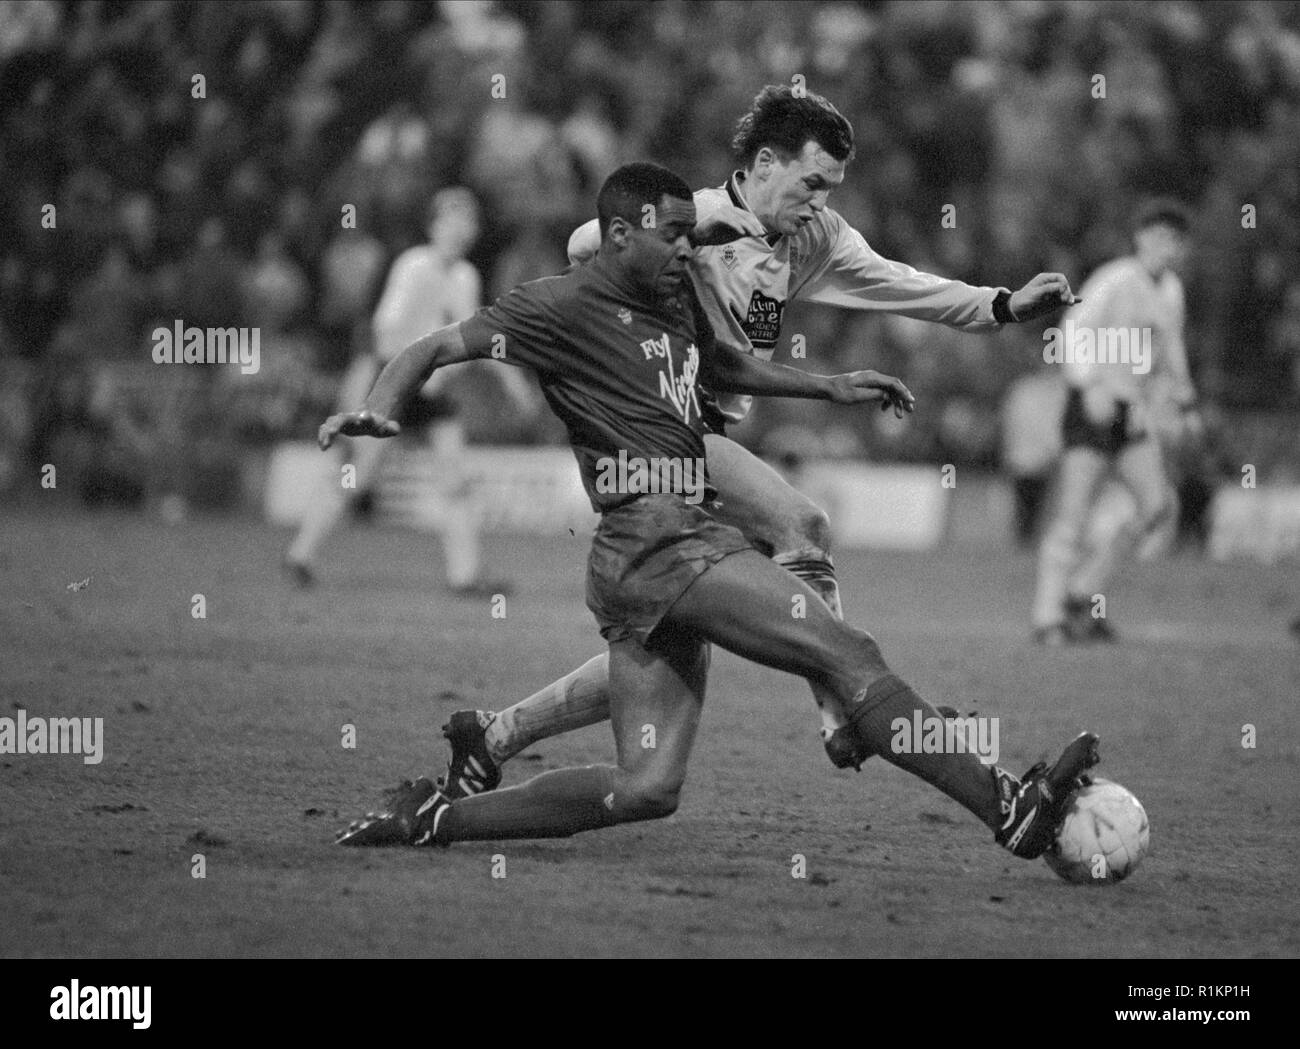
(619, 369)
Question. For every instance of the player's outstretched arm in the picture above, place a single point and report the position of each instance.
(731, 371)
(401, 377)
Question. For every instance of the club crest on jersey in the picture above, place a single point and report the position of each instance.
(763, 322)
(625, 315)
(729, 256)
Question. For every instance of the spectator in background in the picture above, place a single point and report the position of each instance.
(275, 289)
(211, 291)
(534, 252)
(108, 310)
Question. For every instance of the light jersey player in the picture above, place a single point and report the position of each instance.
(1113, 400)
(792, 150)
(620, 349)
(428, 287)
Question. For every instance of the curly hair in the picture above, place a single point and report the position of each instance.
(784, 121)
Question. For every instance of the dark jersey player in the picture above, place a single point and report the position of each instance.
(620, 358)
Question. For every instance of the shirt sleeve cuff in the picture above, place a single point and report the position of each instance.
(1002, 307)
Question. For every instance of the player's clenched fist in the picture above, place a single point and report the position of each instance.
(861, 387)
(1046, 292)
(364, 423)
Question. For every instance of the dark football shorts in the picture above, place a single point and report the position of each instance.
(1078, 431)
(644, 556)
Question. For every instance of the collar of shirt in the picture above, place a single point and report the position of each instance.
(738, 199)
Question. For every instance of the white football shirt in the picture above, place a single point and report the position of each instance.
(423, 293)
(1122, 298)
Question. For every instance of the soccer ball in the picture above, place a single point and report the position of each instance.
(1103, 838)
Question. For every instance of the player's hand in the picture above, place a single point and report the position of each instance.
(364, 423)
(726, 224)
(1043, 294)
(861, 387)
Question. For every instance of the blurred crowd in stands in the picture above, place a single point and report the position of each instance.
(202, 159)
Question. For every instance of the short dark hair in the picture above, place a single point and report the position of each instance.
(1161, 211)
(784, 122)
(629, 189)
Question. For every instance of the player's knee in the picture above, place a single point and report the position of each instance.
(866, 651)
(794, 523)
(650, 800)
(814, 527)
(850, 653)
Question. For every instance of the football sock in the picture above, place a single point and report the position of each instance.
(578, 699)
(552, 805)
(1056, 556)
(1092, 575)
(319, 519)
(815, 569)
(329, 499)
(962, 776)
(818, 572)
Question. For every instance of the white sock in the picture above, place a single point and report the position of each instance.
(318, 521)
(816, 569)
(578, 699)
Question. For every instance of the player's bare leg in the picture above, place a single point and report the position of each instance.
(1140, 467)
(743, 604)
(658, 697)
(1081, 472)
(459, 513)
(330, 501)
(758, 500)
(578, 699)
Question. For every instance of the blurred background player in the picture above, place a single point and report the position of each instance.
(1109, 425)
(1030, 420)
(428, 287)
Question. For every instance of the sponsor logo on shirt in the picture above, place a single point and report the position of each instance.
(763, 323)
(678, 390)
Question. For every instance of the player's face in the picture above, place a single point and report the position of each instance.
(658, 252)
(454, 230)
(1161, 248)
(786, 193)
